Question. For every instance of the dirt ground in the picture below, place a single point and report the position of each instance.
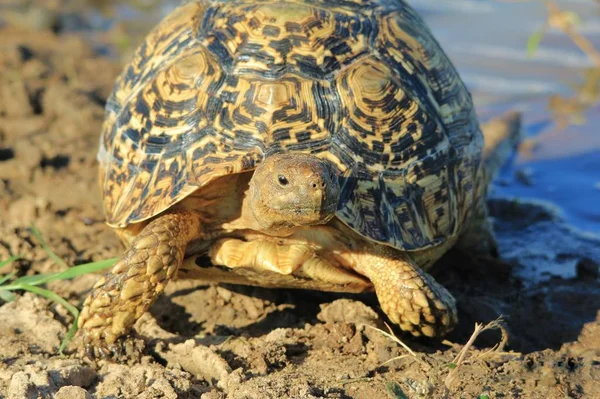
(240, 342)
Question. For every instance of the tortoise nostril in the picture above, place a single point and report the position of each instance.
(314, 185)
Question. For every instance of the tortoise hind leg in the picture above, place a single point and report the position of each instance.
(135, 281)
(478, 238)
(501, 136)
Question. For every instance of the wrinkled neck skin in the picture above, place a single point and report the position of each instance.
(291, 191)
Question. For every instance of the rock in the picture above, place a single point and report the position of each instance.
(348, 311)
(32, 383)
(29, 315)
(78, 375)
(199, 361)
(72, 392)
(142, 382)
(21, 387)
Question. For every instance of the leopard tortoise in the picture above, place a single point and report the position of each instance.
(318, 144)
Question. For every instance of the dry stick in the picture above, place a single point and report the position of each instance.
(397, 340)
(460, 357)
(499, 347)
(556, 17)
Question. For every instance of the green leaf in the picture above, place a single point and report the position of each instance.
(483, 396)
(534, 41)
(61, 301)
(46, 248)
(9, 260)
(451, 366)
(394, 390)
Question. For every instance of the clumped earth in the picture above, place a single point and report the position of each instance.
(223, 341)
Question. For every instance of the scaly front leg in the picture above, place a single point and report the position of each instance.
(126, 292)
(408, 295)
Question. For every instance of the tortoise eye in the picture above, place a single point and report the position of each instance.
(282, 180)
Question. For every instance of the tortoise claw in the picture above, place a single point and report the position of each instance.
(100, 350)
(94, 352)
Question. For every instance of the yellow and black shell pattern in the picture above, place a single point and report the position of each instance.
(218, 86)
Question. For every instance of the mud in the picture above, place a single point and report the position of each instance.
(243, 342)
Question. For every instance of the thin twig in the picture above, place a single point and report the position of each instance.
(397, 340)
(558, 18)
(460, 357)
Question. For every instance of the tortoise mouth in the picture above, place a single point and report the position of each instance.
(305, 216)
(327, 205)
(297, 210)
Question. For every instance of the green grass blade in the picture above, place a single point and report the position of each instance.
(7, 277)
(46, 248)
(71, 272)
(83, 269)
(69, 336)
(9, 260)
(534, 41)
(31, 280)
(61, 301)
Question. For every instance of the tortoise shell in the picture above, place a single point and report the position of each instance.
(220, 85)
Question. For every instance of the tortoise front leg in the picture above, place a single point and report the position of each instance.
(408, 295)
(478, 238)
(135, 281)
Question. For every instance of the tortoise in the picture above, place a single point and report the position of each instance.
(317, 144)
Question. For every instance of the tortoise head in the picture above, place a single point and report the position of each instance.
(290, 190)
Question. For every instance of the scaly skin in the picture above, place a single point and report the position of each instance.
(135, 281)
(408, 295)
